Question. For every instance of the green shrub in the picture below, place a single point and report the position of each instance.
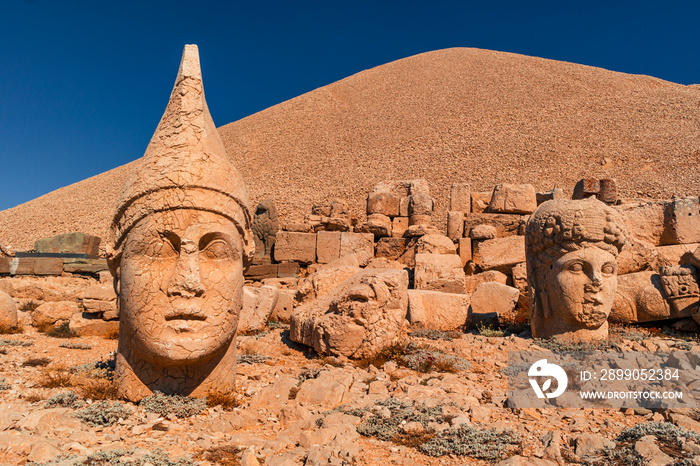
(485, 444)
(180, 406)
(64, 400)
(103, 413)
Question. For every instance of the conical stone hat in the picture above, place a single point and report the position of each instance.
(185, 165)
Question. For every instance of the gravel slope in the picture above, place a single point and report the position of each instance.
(458, 114)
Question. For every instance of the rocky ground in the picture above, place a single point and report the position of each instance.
(295, 407)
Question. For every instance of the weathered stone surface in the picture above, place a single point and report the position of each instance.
(274, 396)
(86, 266)
(608, 191)
(455, 225)
(391, 248)
(473, 281)
(505, 224)
(261, 272)
(435, 244)
(327, 246)
(179, 241)
(491, 301)
(653, 456)
(324, 280)
(383, 202)
(460, 197)
(102, 292)
(361, 244)
(292, 246)
(265, 226)
(377, 224)
(359, 318)
(8, 311)
(572, 248)
(585, 188)
(420, 204)
(645, 221)
(403, 206)
(282, 311)
(436, 310)
(69, 243)
(499, 253)
(327, 390)
(288, 270)
(258, 304)
(48, 266)
(419, 220)
(639, 298)
(636, 257)
(677, 254)
(54, 313)
(415, 231)
(518, 460)
(439, 272)
(513, 199)
(483, 232)
(552, 194)
(4, 265)
(480, 201)
(95, 306)
(590, 444)
(465, 250)
(399, 225)
(22, 266)
(684, 220)
(84, 324)
(680, 286)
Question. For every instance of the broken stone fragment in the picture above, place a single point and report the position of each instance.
(435, 244)
(8, 311)
(460, 197)
(513, 199)
(439, 272)
(437, 310)
(491, 302)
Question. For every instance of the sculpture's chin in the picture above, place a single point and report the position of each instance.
(184, 349)
(593, 317)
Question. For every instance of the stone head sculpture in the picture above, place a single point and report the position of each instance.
(179, 242)
(571, 248)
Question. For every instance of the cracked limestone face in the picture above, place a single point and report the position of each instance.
(180, 286)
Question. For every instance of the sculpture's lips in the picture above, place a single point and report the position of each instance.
(185, 313)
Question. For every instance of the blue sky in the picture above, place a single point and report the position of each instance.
(83, 84)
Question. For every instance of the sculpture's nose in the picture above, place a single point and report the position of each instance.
(186, 280)
(597, 278)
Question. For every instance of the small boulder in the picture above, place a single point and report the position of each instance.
(54, 313)
(491, 301)
(435, 244)
(513, 199)
(8, 311)
(436, 310)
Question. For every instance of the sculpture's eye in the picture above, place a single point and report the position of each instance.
(217, 249)
(163, 246)
(608, 269)
(575, 267)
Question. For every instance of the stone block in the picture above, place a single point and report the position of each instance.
(420, 204)
(95, 306)
(419, 220)
(587, 187)
(327, 246)
(491, 302)
(85, 325)
(455, 225)
(48, 266)
(500, 253)
(460, 197)
(4, 265)
(513, 199)
(85, 266)
(403, 206)
(473, 281)
(103, 292)
(292, 246)
(608, 191)
(646, 221)
(284, 307)
(677, 254)
(391, 248)
(361, 244)
(377, 224)
(260, 272)
(69, 243)
(288, 270)
(435, 244)
(436, 310)
(505, 224)
(258, 303)
(399, 225)
(480, 201)
(22, 266)
(483, 232)
(551, 195)
(684, 220)
(383, 202)
(439, 272)
(421, 229)
(8, 311)
(465, 250)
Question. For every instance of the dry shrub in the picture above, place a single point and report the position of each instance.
(36, 362)
(227, 400)
(32, 396)
(247, 347)
(56, 377)
(226, 455)
(99, 389)
(11, 329)
(30, 306)
(57, 331)
(395, 352)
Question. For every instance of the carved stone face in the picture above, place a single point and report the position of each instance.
(180, 286)
(581, 287)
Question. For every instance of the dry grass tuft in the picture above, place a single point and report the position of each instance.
(99, 389)
(56, 377)
(57, 331)
(227, 455)
(32, 396)
(11, 329)
(112, 335)
(30, 306)
(227, 400)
